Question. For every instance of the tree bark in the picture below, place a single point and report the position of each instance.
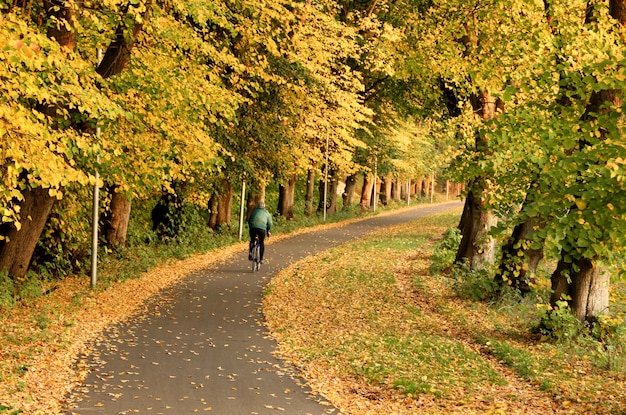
(519, 262)
(583, 285)
(386, 185)
(286, 195)
(477, 246)
(254, 198)
(348, 195)
(332, 195)
(419, 188)
(310, 189)
(221, 205)
(16, 251)
(366, 192)
(116, 221)
(396, 190)
(580, 278)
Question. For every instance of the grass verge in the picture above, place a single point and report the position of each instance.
(378, 330)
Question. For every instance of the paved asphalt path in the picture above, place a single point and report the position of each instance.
(201, 347)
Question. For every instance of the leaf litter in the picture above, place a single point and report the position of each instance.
(375, 333)
(41, 341)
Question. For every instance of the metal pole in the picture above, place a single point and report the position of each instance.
(243, 195)
(326, 180)
(408, 193)
(96, 208)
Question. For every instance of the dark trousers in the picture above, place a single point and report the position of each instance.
(254, 232)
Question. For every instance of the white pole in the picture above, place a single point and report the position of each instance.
(326, 180)
(243, 195)
(408, 193)
(96, 208)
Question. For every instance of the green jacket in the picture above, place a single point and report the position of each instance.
(260, 219)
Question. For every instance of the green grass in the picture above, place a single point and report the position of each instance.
(448, 336)
(422, 364)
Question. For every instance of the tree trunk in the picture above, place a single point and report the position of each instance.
(224, 205)
(332, 195)
(366, 192)
(286, 198)
(476, 245)
(396, 190)
(583, 285)
(386, 194)
(17, 249)
(579, 279)
(254, 198)
(419, 188)
(519, 262)
(116, 222)
(213, 210)
(310, 189)
(348, 195)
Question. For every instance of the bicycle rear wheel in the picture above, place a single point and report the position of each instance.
(256, 256)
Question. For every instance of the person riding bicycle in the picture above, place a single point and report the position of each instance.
(260, 223)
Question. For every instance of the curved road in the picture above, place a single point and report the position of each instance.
(203, 348)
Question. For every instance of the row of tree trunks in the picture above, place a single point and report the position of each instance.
(580, 279)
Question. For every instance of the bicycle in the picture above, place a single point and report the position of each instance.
(256, 255)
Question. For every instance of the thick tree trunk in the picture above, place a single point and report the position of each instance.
(583, 285)
(579, 279)
(116, 221)
(348, 195)
(225, 206)
(386, 186)
(286, 195)
(519, 262)
(366, 192)
(213, 210)
(332, 195)
(477, 246)
(310, 189)
(17, 249)
(254, 198)
(419, 188)
(396, 190)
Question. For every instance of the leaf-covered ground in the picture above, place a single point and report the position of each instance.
(40, 341)
(371, 328)
(377, 333)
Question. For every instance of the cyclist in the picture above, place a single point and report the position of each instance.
(260, 223)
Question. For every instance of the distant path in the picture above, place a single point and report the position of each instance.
(202, 347)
